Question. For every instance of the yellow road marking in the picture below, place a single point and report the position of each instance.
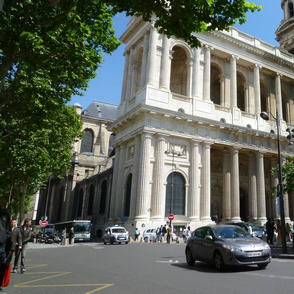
(29, 284)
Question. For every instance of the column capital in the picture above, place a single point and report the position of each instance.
(208, 47)
(234, 57)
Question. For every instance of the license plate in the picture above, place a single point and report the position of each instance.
(253, 254)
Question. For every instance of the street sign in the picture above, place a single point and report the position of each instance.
(171, 217)
(44, 223)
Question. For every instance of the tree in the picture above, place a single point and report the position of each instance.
(39, 144)
(62, 41)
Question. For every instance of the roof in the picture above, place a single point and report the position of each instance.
(101, 110)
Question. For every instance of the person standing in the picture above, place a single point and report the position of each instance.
(5, 244)
(63, 236)
(270, 228)
(26, 234)
(168, 235)
(71, 236)
(163, 232)
(16, 243)
(188, 233)
(137, 234)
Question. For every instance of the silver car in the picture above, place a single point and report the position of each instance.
(224, 245)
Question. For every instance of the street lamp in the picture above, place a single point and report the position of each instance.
(265, 115)
(173, 153)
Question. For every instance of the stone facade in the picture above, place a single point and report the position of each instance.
(189, 137)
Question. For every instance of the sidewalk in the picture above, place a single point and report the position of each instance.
(277, 251)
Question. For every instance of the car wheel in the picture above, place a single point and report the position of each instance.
(105, 242)
(218, 261)
(146, 239)
(262, 265)
(189, 257)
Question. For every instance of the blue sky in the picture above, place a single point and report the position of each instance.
(106, 87)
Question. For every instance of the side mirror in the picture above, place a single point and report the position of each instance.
(208, 237)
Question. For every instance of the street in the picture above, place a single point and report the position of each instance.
(140, 268)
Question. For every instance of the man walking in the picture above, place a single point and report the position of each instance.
(26, 234)
(16, 243)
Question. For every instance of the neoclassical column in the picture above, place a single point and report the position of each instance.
(151, 67)
(226, 209)
(235, 188)
(195, 74)
(206, 183)
(257, 98)
(189, 77)
(233, 84)
(194, 192)
(279, 95)
(261, 204)
(134, 176)
(158, 193)
(286, 206)
(120, 181)
(222, 79)
(129, 76)
(143, 178)
(252, 192)
(274, 183)
(246, 97)
(206, 78)
(114, 183)
(125, 78)
(165, 65)
(144, 61)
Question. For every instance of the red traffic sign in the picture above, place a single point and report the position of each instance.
(171, 217)
(44, 223)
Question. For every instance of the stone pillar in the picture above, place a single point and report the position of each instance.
(226, 209)
(151, 68)
(144, 62)
(257, 98)
(142, 204)
(222, 79)
(129, 77)
(135, 66)
(206, 86)
(279, 95)
(189, 77)
(206, 183)
(247, 97)
(233, 75)
(261, 206)
(195, 75)
(235, 188)
(286, 206)
(194, 192)
(125, 78)
(158, 193)
(165, 65)
(135, 171)
(252, 193)
(120, 181)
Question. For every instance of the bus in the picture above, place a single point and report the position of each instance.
(82, 229)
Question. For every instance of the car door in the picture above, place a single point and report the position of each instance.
(196, 243)
(207, 245)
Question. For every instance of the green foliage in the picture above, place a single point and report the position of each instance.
(182, 18)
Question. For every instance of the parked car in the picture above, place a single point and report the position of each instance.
(149, 233)
(116, 234)
(224, 245)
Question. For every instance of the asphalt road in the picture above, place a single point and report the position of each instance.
(140, 268)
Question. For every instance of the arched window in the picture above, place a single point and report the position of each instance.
(111, 143)
(137, 65)
(91, 200)
(263, 97)
(128, 196)
(178, 76)
(80, 203)
(103, 197)
(291, 10)
(241, 91)
(215, 84)
(175, 194)
(87, 141)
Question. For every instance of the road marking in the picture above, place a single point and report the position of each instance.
(268, 276)
(50, 275)
(167, 261)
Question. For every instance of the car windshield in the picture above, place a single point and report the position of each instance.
(118, 231)
(230, 232)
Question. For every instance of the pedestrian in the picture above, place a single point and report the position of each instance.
(26, 234)
(137, 234)
(188, 233)
(288, 232)
(16, 243)
(163, 232)
(249, 229)
(5, 243)
(168, 235)
(158, 234)
(184, 234)
(63, 236)
(278, 225)
(270, 228)
(71, 236)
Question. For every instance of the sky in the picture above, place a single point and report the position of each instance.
(107, 86)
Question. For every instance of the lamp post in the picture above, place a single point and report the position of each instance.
(265, 115)
(173, 153)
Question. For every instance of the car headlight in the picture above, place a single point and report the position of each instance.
(266, 246)
(232, 248)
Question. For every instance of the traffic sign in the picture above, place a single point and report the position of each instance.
(44, 223)
(171, 217)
